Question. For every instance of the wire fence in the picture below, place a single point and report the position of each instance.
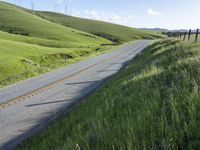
(186, 35)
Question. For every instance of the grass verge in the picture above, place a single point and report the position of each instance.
(154, 103)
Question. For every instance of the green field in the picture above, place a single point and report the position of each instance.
(32, 43)
(154, 103)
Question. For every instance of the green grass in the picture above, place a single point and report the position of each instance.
(31, 44)
(17, 21)
(154, 103)
(113, 32)
(40, 41)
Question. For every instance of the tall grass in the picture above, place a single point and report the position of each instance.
(154, 103)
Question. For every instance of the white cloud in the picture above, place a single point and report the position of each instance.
(153, 12)
(118, 18)
(62, 1)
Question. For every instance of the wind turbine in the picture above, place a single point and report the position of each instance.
(66, 8)
(19, 2)
(56, 7)
(32, 6)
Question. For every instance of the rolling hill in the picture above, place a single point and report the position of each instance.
(15, 20)
(113, 32)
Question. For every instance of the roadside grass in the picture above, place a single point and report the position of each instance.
(154, 103)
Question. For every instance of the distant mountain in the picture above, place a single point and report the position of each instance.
(154, 29)
(183, 30)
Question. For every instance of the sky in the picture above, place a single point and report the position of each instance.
(168, 14)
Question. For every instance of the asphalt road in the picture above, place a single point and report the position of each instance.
(27, 106)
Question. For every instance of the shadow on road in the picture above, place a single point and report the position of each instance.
(108, 71)
(67, 106)
(76, 83)
(47, 103)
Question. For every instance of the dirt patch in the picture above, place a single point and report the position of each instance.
(29, 62)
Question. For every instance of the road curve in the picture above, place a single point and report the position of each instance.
(27, 106)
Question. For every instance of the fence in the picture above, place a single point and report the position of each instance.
(185, 35)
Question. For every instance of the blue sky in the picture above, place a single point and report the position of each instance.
(170, 14)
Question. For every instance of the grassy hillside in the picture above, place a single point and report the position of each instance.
(17, 21)
(154, 103)
(40, 41)
(113, 32)
(30, 45)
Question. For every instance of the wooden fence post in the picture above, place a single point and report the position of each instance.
(197, 33)
(184, 36)
(189, 34)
